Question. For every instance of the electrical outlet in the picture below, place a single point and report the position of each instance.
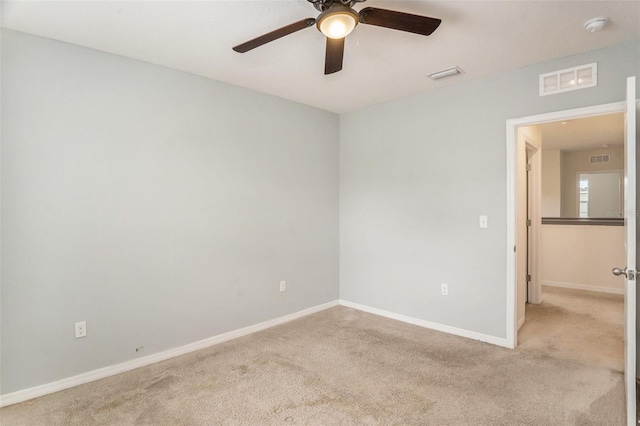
(283, 286)
(484, 222)
(81, 329)
(444, 289)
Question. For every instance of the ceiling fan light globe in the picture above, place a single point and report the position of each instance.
(337, 22)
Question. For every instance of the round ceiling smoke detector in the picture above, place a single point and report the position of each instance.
(596, 24)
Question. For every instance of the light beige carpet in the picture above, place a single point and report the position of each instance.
(345, 367)
(577, 325)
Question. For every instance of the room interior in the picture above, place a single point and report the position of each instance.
(174, 196)
(582, 235)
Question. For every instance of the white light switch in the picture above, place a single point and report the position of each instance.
(484, 222)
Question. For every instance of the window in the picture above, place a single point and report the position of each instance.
(600, 194)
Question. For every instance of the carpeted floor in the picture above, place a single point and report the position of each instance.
(346, 367)
(577, 325)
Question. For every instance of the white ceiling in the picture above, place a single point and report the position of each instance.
(585, 133)
(481, 37)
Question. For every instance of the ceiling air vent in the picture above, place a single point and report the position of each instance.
(569, 79)
(593, 159)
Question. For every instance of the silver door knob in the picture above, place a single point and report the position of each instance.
(617, 272)
(629, 273)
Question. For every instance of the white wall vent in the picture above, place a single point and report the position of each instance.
(569, 79)
(593, 159)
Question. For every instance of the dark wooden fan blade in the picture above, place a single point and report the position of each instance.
(399, 20)
(334, 55)
(274, 35)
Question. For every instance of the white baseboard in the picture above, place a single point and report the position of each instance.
(48, 388)
(90, 376)
(428, 324)
(584, 287)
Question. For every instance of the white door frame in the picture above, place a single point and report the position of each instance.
(534, 294)
(512, 140)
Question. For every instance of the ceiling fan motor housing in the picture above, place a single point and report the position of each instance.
(323, 5)
(337, 21)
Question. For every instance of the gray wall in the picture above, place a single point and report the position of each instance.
(160, 207)
(417, 172)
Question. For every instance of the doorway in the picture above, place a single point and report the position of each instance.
(513, 144)
(630, 107)
(574, 206)
(581, 237)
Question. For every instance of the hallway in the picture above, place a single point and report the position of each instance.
(577, 325)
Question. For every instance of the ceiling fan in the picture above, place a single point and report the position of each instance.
(337, 19)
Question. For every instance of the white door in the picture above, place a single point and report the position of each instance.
(630, 273)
